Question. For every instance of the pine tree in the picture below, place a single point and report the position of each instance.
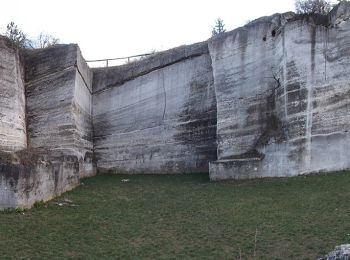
(219, 27)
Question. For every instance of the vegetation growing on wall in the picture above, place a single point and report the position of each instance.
(20, 39)
(44, 40)
(16, 36)
(219, 27)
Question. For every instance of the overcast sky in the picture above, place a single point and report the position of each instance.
(109, 29)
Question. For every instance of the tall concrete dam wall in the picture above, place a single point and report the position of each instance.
(282, 85)
(157, 115)
(269, 99)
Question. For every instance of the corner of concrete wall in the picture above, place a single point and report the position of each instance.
(58, 86)
(82, 108)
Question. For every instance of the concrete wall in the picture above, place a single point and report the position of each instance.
(58, 101)
(58, 92)
(157, 115)
(293, 119)
(13, 135)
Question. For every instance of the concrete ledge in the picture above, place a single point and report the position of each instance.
(39, 177)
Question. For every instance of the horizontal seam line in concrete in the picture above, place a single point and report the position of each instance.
(315, 135)
(30, 82)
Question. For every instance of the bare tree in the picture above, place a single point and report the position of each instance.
(312, 6)
(219, 27)
(45, 40)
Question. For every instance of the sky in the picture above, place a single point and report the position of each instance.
(110, 29)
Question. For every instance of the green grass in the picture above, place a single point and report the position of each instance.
(184, 216)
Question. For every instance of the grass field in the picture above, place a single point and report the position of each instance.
(183, 217)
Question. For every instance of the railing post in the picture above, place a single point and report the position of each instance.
(106, 63)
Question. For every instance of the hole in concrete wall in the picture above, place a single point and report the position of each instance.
(273, 33)
(264, 38)
(11, 182)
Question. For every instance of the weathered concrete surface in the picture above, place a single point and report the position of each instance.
(59, 119)
(58, 91)
(82, 111)
(13, 135)
(157, 115)
(35, 175)
(282, 88)
(59, 116)
(341, 252)
(105, 78)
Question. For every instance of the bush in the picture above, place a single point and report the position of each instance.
(20, 40)
(16, 36)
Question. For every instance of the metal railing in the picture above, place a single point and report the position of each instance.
(120, 58)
